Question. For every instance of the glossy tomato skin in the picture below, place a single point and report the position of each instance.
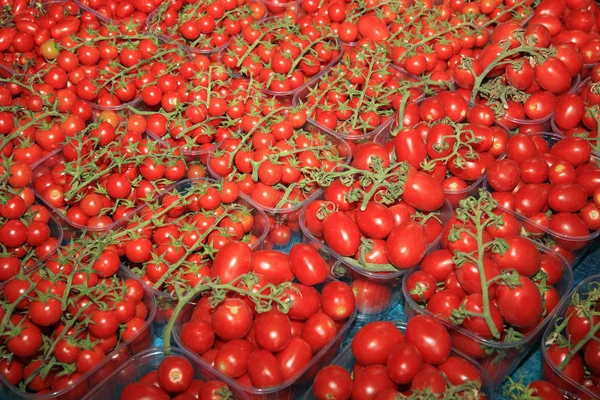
(341, 234)
(430, 337)
(333, 382)
(373, 343)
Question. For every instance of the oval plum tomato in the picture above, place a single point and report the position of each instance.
(545, 391)
(232, 260)
(406, 245)
(375, 221)
(371, 296)
(521, 306)
(430, 337)
(404, 363)
(422, 191)
(337, 300)
(341, 233)
(459, 371)
(307, 264)
(372, 380)
(371, 27)
(273, 265)
(264, 369)
(273, 331)
(522, 255)
(333, 382)
(374, 342)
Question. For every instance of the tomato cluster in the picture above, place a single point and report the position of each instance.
(553, 183)
(359, 95)
(62, 320)
(272, 160)
(172, 240)
(445, 137)
(28, 232)
(267, 349)
(106, 172)
(571, 352)
(391, 360)
(174, 379)
(281, 55)
(203, 26)
(495, 284)
(197, 120)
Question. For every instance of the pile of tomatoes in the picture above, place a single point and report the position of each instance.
(390, 360)
(170, 243)
(552, 182)
(63, 319)
(267, 349)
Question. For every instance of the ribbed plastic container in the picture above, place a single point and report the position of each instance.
(346, 360)
(385, 287)
(382, 129)
(44, 166)
(551, 373)
(293, 387)
(276, 8)
(143, 363)
(498, 359)
(290, 215)
(576, 246)
(165, 299)
(92, 378)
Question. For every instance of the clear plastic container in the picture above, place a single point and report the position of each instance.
(96, 108)
(87, 8)
(573, 247)
(346, 360)
(189, 154)
(56, 231)
(165, 300)
(549, 372)
(92, 378)
(141, 364)
(276, 8)
(386, 287)
(289, 216)
(289, 389)
(382, 129)
(498, 359)
(43, 166)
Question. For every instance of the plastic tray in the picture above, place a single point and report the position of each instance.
(382, 129)
(143, 363)
(387, 285)
(277, 8)
(289, 389)
(291, 215)
(165, 300)
(549, 372)
(346, 360)
(49, 161)
(201, 154)
(500, 359)
(92, 378)
(582, 242)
